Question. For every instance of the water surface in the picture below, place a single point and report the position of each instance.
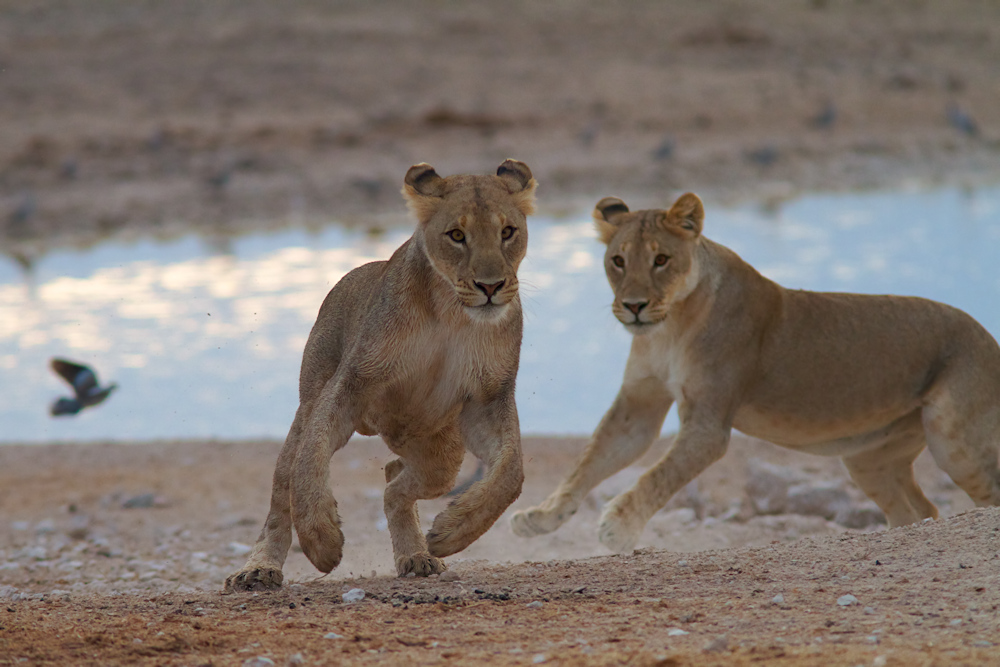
(208, 345)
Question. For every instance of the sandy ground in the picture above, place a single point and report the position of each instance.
(124, 120)
(86, 578)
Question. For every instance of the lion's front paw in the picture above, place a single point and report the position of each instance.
(620, 525)
(420, 564)
(535, 521)
(254, 579)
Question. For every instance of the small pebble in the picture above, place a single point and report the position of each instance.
(682, 563)
(142, 501)
(534, 605)
(449, 575)
(778, 599)
(538, 659)
(332, 635)
(847, 600)
(676, 632)
(869, 610)
(296, 659)
(354, 595)
(259, 661)
(717, 645)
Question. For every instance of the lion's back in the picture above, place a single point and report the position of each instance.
(339, 322)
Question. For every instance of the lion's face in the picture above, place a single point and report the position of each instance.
(475, 232)
(649, 257)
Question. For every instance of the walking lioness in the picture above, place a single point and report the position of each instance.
(423, 350)
(872, 379)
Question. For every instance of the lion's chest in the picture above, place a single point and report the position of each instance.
(430, 384)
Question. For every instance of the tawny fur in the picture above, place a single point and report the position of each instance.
(872, 379)
(423, 350)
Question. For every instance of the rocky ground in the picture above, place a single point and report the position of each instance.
(124, 120)
(113, 553)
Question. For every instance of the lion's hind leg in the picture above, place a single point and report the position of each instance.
(409, 480)
(963, 435)
(263, 567)
(885, 473)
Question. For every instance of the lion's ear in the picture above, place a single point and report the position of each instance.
(606, 217)
(520, 184)
(423, 189)
(687, 215)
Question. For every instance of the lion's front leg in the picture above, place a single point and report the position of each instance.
(695, 448)
(492, 433)
(313, 507)
(625, 433)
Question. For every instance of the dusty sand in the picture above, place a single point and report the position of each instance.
(86, 579)
(125, 121)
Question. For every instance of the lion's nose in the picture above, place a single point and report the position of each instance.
(489, 290)
(635, 306)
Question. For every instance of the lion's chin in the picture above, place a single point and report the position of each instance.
(488, 313)
(639, 328)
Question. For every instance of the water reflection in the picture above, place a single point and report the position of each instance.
(208, 345)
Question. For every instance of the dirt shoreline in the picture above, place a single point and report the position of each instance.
(121, 121)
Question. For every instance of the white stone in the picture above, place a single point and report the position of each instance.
(860, 516)
(259, 661)
(354, 595)
(823, 499)
(778, 599)
(676, 632)
(847, 600)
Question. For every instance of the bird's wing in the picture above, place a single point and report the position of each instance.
(82, 378)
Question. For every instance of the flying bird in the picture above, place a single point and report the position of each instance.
(84, 382)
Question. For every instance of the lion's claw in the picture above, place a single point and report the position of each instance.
(536, 521)
(256, 579)
(620, 526)
(421, 564)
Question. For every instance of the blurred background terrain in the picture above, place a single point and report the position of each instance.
(138, 118)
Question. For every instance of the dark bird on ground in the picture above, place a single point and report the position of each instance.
(84, 382)
(665, 150)
(825, 118)
(962, 120)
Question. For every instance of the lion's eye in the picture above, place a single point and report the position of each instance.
(507, 232)
(661, 260)
(457, 235)
(618, 261)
